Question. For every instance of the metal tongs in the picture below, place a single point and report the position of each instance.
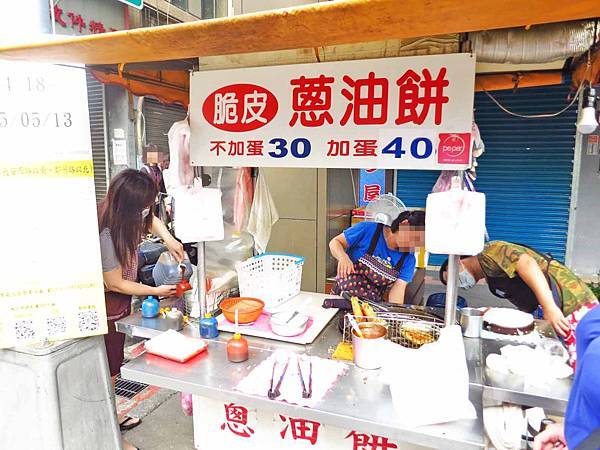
(306, 393)
(274, 393)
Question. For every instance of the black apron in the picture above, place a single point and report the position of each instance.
(371, 276)
(515, 290)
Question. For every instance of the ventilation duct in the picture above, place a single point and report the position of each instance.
(539, 44)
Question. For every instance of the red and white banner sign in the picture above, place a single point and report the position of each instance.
(392, 113)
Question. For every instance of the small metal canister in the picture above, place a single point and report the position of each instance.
(174, 319)
(368, 350)
(471, 321)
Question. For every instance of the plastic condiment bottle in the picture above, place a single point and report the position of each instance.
(150, 307)
(208, 327)
(237, 348)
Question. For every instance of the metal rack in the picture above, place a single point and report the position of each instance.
(408, 330)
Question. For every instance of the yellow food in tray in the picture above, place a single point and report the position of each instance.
(415, 336)
(343, 352)
(356, 309)
(368, 310)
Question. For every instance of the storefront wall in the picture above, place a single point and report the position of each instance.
(585, 243)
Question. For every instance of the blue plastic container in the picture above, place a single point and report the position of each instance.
(208, 327)
(438, 300)
(150, 307)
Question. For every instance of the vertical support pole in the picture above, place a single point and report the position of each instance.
(452, 280)
(451, 290)
(201, 274)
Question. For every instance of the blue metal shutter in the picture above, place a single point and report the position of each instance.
(526, 171)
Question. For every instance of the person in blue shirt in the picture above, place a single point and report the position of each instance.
(581, 430)
(373, 257)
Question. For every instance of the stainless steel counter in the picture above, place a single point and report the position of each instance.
(358, 401)
(499, 388)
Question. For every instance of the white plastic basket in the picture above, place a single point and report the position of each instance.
(270, 277)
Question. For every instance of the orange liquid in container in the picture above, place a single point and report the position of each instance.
(237, 348)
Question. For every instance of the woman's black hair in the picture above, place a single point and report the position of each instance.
(414, 218)
(444, 268)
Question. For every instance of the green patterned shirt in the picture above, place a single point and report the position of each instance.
(499, 259)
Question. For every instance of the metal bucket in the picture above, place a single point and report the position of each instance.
(368, 350)
(471, 321)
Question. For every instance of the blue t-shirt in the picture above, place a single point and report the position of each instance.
(583, 408)
(359, 239)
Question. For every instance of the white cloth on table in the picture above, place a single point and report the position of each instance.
(325, 373)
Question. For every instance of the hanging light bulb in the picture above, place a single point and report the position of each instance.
(587, 120)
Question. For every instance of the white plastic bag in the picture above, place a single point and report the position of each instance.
(180, 172)
(455, 222)
(198, 215)
(441, 369)
(263, 214)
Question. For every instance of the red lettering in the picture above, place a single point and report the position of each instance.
(418, 93)
(311, 101)
(368, 100)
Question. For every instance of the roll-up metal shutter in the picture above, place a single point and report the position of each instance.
(95, 91)
(158, 119)
(526, 171)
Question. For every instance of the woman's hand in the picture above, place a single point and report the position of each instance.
(554, 315)
(552, 437)
(175, 248)
(345, 267)
(166, 290)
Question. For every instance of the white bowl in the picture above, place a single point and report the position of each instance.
(283, 324)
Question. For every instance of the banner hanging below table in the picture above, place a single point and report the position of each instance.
(392, 113)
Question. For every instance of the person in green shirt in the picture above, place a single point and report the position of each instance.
(533, 282)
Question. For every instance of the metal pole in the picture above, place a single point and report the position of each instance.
(452, 280)
(201, 278)
(451, 290)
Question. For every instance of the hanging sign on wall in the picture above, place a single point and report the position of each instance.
(50, 269)
(392, 113)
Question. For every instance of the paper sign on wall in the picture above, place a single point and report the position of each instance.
(52, 285)
(119, 151)
(411, 113)
(593, 144)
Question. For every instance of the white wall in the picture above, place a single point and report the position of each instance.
(585, 259)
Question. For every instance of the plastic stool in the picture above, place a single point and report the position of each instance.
(58, 397)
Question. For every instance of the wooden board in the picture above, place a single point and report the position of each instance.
(309, 26)
(320, 318)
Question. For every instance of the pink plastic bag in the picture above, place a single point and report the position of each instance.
(186, 403)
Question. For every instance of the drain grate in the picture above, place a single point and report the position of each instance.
(127, 388)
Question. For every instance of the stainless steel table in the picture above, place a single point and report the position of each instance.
(359, 401)
(499, 388)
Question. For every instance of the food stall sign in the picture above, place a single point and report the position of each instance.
(51, 276)
(392, 113)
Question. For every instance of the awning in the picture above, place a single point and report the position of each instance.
(168, 82)
(315, 25)
(499, 81)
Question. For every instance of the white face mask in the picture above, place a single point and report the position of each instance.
(465, 279)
